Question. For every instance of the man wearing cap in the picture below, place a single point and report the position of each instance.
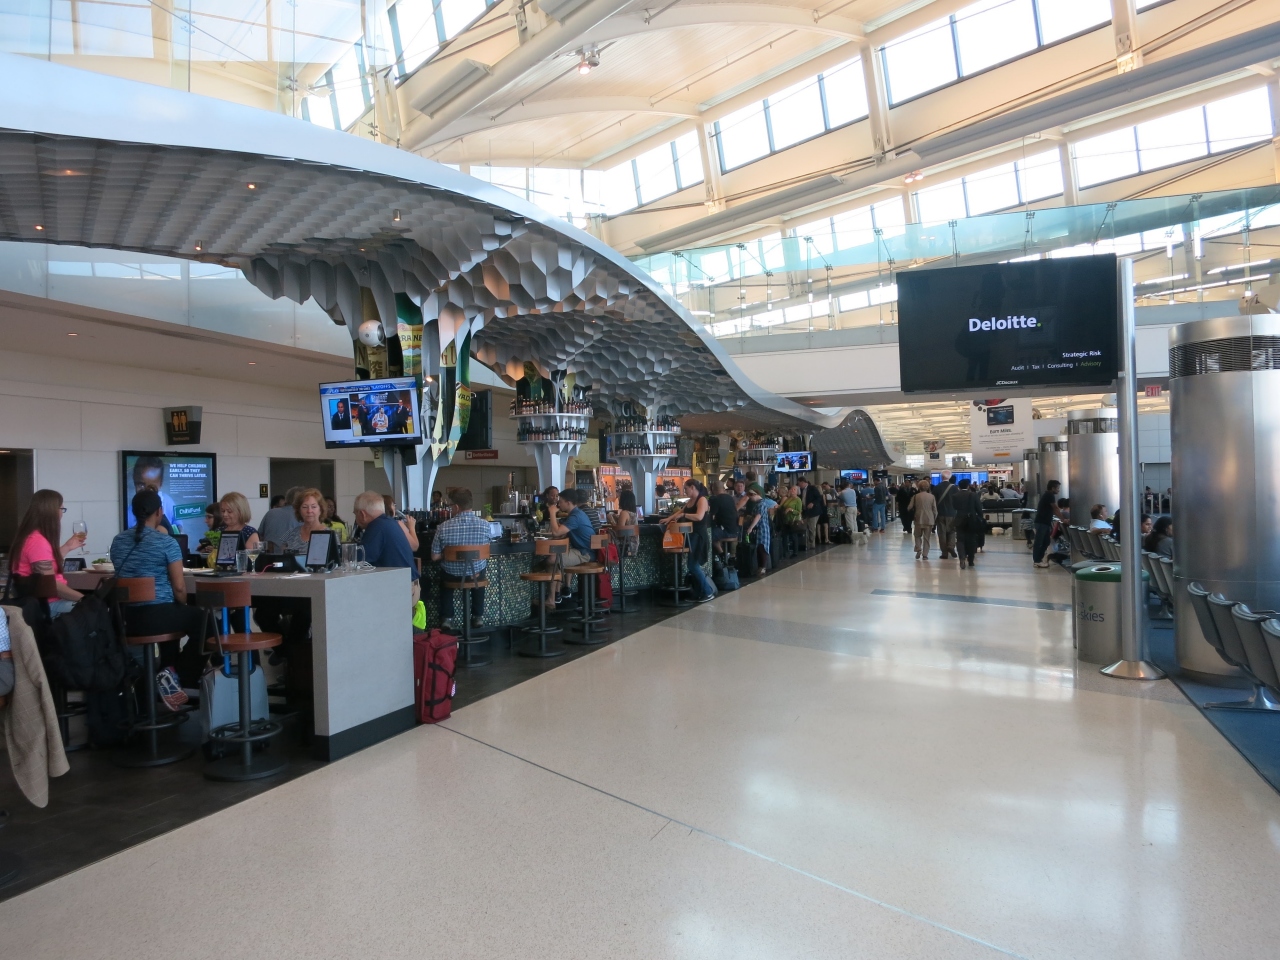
(759, 520)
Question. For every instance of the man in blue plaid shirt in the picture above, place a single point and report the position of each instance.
(464, 529)
(760, 522)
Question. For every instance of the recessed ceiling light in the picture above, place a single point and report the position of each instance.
(199, 245)
(252, 186)
(73, 334)
(395, 216)
(253, 363)
(38, 227)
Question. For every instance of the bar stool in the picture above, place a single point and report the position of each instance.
(471, 580)
(555, 549)
(621, 538)
(223, 596)
(44, 586)
(589, 616)
(130, 590)
(677, 555)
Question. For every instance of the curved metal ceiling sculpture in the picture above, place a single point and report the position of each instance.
(306, 213)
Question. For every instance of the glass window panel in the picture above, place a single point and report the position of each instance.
(890, 217)
(920, 61)
(319, 109)
(225, 30)
(1040, 176)
(992, 31)
(417, 24)
(1147, 3)
(820, 233)
(1062, 18)
(796, 113)
(689, 160)
(1161, 238)
(656, 172)
(348, 88)
(994, 189)
(854, 301)
(854, 228)
(715, 266)
(1235, 121)
(743, 136)
(558, 191)
(617, 189)
(1172, 139)
(512, 179)
(458, 14)
(885, 293)
(1108, 157)
(120, 28)
(846, 92)
(942, 203)
(774, 254)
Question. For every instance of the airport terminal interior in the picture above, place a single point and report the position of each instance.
(579, 478)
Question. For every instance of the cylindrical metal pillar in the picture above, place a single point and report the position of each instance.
(1093, 453)
(1054, 464)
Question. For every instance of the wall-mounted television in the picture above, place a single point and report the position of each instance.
(1052, 323)
(186, 482)
(797, 462)
(854, 476)
(973, 476)
(357, 413)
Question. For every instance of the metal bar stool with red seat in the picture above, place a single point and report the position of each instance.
(471, 555)
(133, 590)
(224, 596)
(589, 617)
(555, 550)
(678, 554)
(623, 539)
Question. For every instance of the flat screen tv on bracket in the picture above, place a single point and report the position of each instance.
(363, 413)
(798, 462)
(1042, 323)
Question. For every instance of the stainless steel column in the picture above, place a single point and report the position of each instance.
(1054, 464)
(1031, 458)
(1093, 451)
(1133, 665)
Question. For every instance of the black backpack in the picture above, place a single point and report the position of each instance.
(82, 649)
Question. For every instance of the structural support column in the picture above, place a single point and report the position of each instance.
(1067, 159)
(710, 169)
(1275, 123)
(1133, 664)
(877, 100)
(1124, 25)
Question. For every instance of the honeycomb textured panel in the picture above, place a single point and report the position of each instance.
(307, 213)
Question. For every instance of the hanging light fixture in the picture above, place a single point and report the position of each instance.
(588, 59)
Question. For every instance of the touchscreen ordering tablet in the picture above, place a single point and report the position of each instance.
(227, 549)
(321, 549)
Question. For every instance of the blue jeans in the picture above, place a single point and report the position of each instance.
(58, 607)
(697, 554)
(877, 516)
(1041, 546)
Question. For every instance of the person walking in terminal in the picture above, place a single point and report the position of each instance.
(848, 500)
(385, 544)
(944, 494)
(1046, 513)
(464, 529)
(790, 523)
(879, 505)
(813, 508)
(968, 522)
(924, 512)
(905, 494)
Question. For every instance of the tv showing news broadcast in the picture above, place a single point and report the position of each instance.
(186, 482)
(1052, 323)
(359, 413)
(798, 462)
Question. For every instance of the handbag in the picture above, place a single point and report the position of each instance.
(672, 540)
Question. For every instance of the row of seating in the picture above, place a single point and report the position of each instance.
(1093, 545)
(1246, 639)
(1160, 569)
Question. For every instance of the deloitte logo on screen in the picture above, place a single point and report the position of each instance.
(1007, 323)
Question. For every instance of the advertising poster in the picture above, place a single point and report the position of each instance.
(933, 450)
(186, 482)
(1001, 430)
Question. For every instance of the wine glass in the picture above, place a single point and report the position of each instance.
(80, 528)
(254, 552)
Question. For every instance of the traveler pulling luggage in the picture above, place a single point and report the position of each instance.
(434, 656)
(748, 557)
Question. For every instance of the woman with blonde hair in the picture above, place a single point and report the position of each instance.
(924, 514)
(234, 509)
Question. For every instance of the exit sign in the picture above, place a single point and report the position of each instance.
(1154, 390)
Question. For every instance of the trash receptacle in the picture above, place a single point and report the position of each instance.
(1096, 613)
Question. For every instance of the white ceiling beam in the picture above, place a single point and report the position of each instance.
(711, 14)
(550, 109)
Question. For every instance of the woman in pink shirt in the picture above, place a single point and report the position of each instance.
(33, 551)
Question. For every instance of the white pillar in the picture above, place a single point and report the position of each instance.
(877, 99)
(1124, 26)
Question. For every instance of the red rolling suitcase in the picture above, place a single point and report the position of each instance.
(434, 656)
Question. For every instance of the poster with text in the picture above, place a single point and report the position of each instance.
(1001, 430)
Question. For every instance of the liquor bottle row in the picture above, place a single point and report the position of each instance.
(643, 425)
(530, 432)
(527, 408)
(770, 446)
(632, 448)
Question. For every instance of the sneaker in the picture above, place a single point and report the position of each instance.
(707, 599)
(1043, 563)
(171, 691)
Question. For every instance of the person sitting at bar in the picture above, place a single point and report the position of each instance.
(567, 520)
(309, 510)
(234, 508)
(34, 552)
(384, 542)
(144, 551)
(624, 517)
(464, 529)
(333, 521)
(280, 519)
(407, 525)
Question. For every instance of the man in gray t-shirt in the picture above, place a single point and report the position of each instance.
(278, 522)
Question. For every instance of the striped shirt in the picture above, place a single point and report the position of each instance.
(465, 530)
(764, 529)
(148, 557)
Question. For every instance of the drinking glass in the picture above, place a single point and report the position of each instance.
(79, 527)
(352, 557)
(242, 561)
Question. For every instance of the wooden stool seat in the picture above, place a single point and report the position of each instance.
(464, 584)
(142, 641)
(243, 642)
(539, 576)
(674, 550)
(586, 568)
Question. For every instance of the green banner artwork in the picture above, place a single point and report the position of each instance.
(409, 333)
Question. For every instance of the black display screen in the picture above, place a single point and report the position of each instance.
(1040, 323)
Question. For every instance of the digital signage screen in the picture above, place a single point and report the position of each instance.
(359, 413)
(799, 462)
(186, 482)
(1052, 323)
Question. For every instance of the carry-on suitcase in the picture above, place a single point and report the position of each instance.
(748, 559)
(434, 656)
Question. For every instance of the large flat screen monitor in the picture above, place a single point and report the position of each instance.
(360, 413)
(1052, 323)
(186, 482)
(799, 462)
(854, 476)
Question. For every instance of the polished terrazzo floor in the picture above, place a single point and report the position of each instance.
(848, 759)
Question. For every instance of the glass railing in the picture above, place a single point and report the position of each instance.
(1190, 248)
(199, 295)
